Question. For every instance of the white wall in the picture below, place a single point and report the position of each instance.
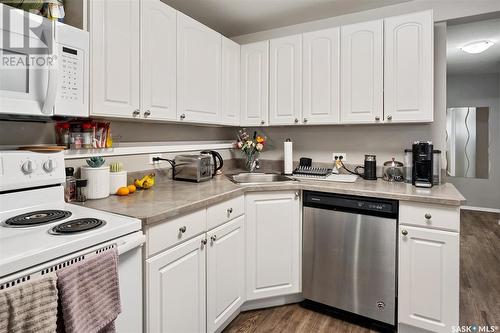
(29, 133)
(479, 91)
(443, 10)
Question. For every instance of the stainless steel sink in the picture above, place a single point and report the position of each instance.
(258, 178)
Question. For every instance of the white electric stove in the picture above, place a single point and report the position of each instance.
(40, 232)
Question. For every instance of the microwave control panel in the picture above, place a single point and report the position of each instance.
(71, 75)
(73, 71)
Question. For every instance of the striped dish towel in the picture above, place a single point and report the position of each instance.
(89, 294)
(30, 307)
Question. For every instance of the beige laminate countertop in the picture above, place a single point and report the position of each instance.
(173, 198)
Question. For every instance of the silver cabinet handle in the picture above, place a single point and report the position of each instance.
(183, 116)
(203, 242)
(229, 210)
(389, 117)
(182, 229)
(296, 120)
(262, 122)
(377, 118)
(213, 238)
(147, 113)
(305, 120)
(428, 216)
(297, 195)
(404, 232)
(136, 113)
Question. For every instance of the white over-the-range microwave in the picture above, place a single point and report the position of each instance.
(44, 69)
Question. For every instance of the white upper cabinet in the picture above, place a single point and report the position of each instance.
(230, 82)
(198, 72)
(254, 84)
(225, 272)
(428, 283)
(115, 50)
(362, 73)
(409, 70)
(158, 64)
(273, 244)
(285, 81)
(321, 77)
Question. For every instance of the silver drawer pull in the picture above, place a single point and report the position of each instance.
(182, 229)
(203, 242)
(229, 210)
(428, 216)
(213, 238)
(404, 232)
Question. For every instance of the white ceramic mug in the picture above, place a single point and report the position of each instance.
(117, 180)
(97, 182)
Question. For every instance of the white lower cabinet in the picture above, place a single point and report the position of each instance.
(273, 244)
(428, 291)
(196, 285)
(225, 272)
(176, 289)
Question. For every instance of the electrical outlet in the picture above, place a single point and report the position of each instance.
(344, 156)
(151, 156)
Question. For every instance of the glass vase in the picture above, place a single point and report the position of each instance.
(250, 162)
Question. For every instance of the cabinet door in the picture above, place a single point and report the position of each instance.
(254, 84)
(230, 82)
(225, 272)
(362, 73)
(175, 289)
(409, 70)
(428, 291)
(158, 65)
(114, 31)
(199, 72)
(321, 90)
(273, 244)
(285, 81)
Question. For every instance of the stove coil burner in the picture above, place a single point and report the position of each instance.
(37, 218)
(78, 225)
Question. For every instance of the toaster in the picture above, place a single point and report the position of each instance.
(195, 168)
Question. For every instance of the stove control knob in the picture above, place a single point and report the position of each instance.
(49, 165)
(28, 167)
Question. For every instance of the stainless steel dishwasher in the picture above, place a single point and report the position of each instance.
(349, 254)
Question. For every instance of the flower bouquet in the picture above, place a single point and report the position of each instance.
(250, 147)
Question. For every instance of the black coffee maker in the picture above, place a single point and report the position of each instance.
(422, 164)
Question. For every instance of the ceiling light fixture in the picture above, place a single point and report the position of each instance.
(477, 47)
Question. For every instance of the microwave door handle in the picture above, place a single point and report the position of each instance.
(50, 97)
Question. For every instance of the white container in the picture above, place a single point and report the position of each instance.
(117, 180)
(97, 182)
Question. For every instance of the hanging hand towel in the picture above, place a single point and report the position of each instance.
(89, 294)
(30, 307)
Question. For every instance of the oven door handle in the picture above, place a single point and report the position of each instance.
(130, 244)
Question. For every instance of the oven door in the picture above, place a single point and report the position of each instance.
(24, 85)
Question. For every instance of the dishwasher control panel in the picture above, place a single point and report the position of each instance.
(357, 204)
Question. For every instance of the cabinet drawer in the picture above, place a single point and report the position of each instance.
(225, 211)
(429, 215)
(164, 235)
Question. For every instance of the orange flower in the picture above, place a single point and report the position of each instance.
(260, 139)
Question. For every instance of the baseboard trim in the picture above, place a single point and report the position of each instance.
(481, 209)
(272, 301)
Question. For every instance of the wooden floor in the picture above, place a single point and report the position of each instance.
(479, 288)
